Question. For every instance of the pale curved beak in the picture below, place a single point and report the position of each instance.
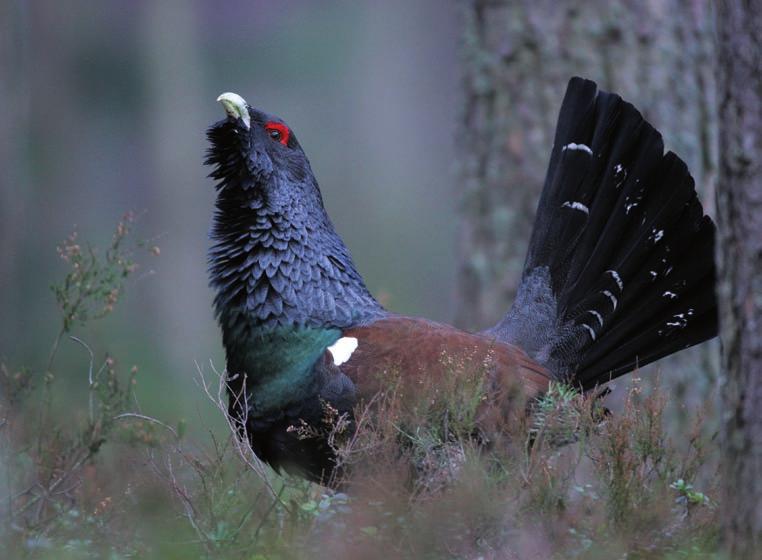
(236, 107)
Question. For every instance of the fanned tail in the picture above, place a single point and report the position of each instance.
(620, 270)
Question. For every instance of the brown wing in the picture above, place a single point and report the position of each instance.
(416, 359)
(422, 354)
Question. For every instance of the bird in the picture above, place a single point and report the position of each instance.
(619, 273)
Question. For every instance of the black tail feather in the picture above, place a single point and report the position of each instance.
(620, 269)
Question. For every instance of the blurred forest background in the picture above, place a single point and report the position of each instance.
(105, 108)
(428, 125)
(432, 185)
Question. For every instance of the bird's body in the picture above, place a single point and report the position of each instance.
(619, 273)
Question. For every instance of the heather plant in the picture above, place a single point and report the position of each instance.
(43, 460)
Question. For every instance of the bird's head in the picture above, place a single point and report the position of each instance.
(256, 155)
(276, 259)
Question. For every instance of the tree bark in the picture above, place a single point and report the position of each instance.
(739, 253)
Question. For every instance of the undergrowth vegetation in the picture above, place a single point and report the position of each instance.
(422, 479)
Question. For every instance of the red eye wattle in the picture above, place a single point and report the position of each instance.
(278, 132)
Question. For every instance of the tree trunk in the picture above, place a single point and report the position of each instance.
(739, 253)
(517, 58)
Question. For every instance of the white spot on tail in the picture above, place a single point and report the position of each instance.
(342, 349)
(576, 206)
(611, 297)
(580, 147)
(681, 319)
(653, 274)
(590, 330)
(657, 235)
(596, 315)
(617, 279)
(670, 295)
(620, 175)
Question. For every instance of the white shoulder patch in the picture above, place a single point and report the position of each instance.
(342, 349)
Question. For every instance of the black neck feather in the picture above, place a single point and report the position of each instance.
(276, 259)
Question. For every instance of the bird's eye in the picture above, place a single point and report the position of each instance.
(278, 132)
